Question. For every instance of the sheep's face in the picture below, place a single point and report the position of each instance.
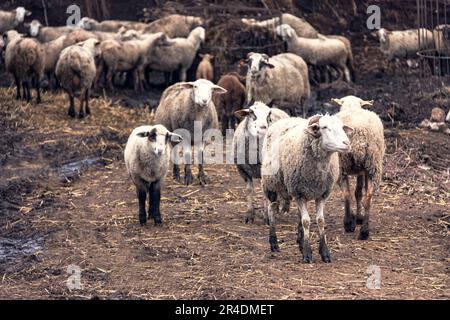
(258, 119)
(383, 36)
(351, 102)
(159, 138)
(202, 91)
(35, 26)
(332, 132)
(285, 31)
(21, 13)
(258, 65)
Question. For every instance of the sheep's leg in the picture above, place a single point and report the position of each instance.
(201, 170)
(176, 172)
(250, 215)
(188, 179)
(224, 122)
(26, 85)
(285, 206)
(81, 111)
(183, 75)
(265, 213)
(358, 197)
(38, 90)
(98, 75)
(304, 243)
(272, 210)
(18, 96)
(71, 111)
(323, 247)
(109, 79)
(154, 201)
(347, 75)
(364, 232)
(86, 101)
(349, 216)
(142, 196)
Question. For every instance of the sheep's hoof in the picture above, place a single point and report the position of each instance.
(142, 220)
(266, 221)
(250, 217)
(350, 224)
(202, 179)
(363, 234)
(158, 221)
(71, 113)
(81, 115)
(324, 252)
(274, 244)
(188, 179)
(307, 252)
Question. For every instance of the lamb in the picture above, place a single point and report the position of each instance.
(365, 160)
(188, 105)
(247, 145)
(109, 25)
(318, 52)
(131, 56)
(280, 81)
(300, 161)
(76, 71)
(25, 60)
(175, 25)
(180, 55)
(231, 101)
(147, 155)
(9, 20)
(46, 34)
(205, 69)
(301, 26)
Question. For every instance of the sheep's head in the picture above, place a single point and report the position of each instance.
(258, 64)
(87, 23)
(350, 102)
(332, 132)
(93, 45)
(202, 91)
(159, 138)
(285, 31)
(21, 13)
(249, 22)
(162, 40)
(199, 33)
(207, 56)
(383, 36)
(35, 26)
(10, 36)
(258, 118)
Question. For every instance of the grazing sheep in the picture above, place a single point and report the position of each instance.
(300, 161)
(323, 51)
(187, 105)
(280, 81)
(175, 25)
(76, 71)
(147, 156)
(205, 69)
(364, 161)
(180, 54)
(46, 34)
(25, 60)
(301, 26)
(247, 145)
(9, 20)
(130, 56)
(109, 25)
(227, 104)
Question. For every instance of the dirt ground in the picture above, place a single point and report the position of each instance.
(65, 199)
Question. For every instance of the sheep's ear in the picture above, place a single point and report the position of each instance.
(367, 104)
(143, 134)
(28, 13)
(313, 125)
(338, 102)
(187, 85)
(241, 114)
(174, 138)
(250, 54)
(269, 65)
(201, 55)
(218, 90)
(348, 130)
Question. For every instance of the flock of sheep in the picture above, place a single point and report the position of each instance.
(296, 158)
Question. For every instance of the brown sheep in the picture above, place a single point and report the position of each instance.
(205, 69)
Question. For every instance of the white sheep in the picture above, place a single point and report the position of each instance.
(109, 25)
(147, 156)
(365, 161)
(11, 19)
(175, 25)
(46, 34)
(247, 145)
(52, 50)
(76, 70)
(281, 81)
(300, 161)
(186, 106)
(323, 51)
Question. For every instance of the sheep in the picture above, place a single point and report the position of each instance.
(301, 26)
(247, 143)
(205, 69)
(318, 52)
(280, 81)
(9, 20)
(76, 72)
(180, 55)
(25, 60)
(130, 56)
(147, 155)
(175, 25)
(52, 50)
(186, 105)
(365, 160)
(46, 34)
(300, 161)
(231, 101)
(109, 25)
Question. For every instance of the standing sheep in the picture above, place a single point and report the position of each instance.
(11, 19)
(174, 25)
(52, 50)
(365, 161)
(147, 156)
(25, 60)
(46, 34)
(205, 69)
(300, 161)
(188, 106)
(76, 71)
(247, 145)
(109, 25)
(280, 81)
(231, 101)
